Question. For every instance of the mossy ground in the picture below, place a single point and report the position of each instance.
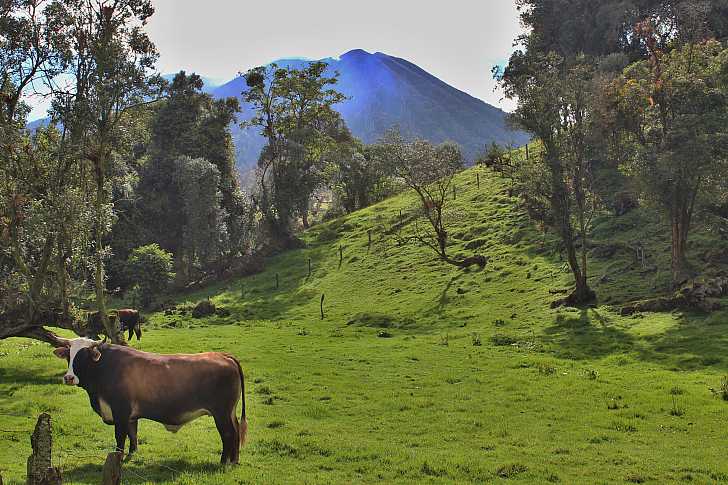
(477, 380)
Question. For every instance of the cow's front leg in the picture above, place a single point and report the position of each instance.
(121, 429)
(133, 426)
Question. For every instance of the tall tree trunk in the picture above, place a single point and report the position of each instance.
(680, 230)
(99, 274)
(562, 218)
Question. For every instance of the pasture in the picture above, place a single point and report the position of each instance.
(421, 372)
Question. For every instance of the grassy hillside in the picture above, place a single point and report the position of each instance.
(421, 372)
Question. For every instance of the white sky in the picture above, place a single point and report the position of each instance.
(458, 41)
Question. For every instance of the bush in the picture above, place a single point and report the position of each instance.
(204, 308)
(149, 268)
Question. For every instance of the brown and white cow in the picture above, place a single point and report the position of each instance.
(125, 385)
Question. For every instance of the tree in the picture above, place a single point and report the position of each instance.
(554, 96)
(45, 228)
(674, 109)
(429, 171)
(203, 219)
(189, 125)
(111, 60)
(598, 29)
(151, 269)
(44, 221)
(293, 109)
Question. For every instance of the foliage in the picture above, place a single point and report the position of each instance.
(429, 171)
(554, 103)
(190, 200)
(674, 110)
(110, 59)
(45, 234)
(602, 28)
(359, 178)
(203, 229)
(150, 268)
(293, 109)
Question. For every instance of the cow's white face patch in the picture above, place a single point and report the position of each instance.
(76, 344)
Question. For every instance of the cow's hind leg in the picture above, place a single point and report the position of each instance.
(228, 432)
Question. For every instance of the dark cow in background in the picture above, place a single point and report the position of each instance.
(125, 385)
(128, 320)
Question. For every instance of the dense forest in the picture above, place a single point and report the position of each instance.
(132, 189)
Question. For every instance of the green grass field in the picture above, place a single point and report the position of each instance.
(421, 372)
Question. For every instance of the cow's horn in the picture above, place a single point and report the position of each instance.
(61, 342)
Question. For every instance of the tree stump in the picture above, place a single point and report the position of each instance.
(112, 468)
(40, 468)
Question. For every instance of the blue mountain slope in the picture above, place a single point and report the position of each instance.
(387, 91)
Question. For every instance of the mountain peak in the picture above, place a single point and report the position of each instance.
(356, 53)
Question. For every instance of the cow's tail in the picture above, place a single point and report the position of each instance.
(243, 428)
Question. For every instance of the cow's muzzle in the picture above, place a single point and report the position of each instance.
(68, 380)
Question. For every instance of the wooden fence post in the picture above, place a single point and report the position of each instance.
(309, 267)
(454, 194)
(112, 469)
(40, 468)
(527, 151)
(276, 281)
(323, 295)
(477, 178)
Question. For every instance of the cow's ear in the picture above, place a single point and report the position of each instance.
(61, 352)
(95, 353)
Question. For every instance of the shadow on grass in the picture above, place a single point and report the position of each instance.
(694, 342)
(588, 336)
(17, 374)
(139, 473)
(697, 341)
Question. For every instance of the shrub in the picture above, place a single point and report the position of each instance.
(204, 308)
(502, 340)
(150, 268)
